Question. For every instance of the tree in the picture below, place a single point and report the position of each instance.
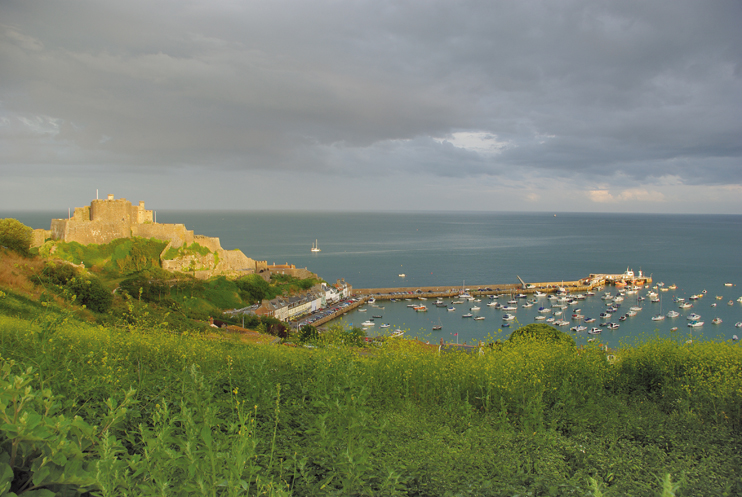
(542, 332)
(15, 235)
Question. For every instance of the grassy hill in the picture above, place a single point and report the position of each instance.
(131, 402)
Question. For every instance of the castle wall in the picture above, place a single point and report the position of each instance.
(39, 236)
(112, 211)
(82, 214)
(211, 243)
(177, 234)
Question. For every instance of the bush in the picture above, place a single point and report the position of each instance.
(59, 273)
(253, 288)
(542, 332)
(15, 235)
(308, 333)
(91, 292)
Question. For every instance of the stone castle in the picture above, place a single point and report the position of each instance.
(106, 220)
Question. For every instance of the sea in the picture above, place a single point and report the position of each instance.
(700, 254)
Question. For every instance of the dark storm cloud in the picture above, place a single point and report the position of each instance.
(588, 89)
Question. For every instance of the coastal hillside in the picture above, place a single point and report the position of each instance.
(152, 402)
(149, 409)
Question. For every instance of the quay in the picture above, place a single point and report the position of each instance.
(593, 281)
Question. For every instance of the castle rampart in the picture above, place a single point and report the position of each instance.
(106, 220)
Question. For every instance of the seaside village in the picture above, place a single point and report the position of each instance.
(105, 220)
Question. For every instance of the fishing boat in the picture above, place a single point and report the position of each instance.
(315, 247)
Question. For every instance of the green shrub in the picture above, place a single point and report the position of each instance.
(90, 292)
(15, 235)
(59, 273)
(542, 332)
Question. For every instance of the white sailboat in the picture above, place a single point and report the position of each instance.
(315, 247)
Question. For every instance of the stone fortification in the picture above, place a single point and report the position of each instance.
(106, 220)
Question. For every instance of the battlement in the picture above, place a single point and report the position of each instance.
(109, 219)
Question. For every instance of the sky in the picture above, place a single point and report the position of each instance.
(564, 105)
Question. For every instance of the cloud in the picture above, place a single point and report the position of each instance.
(630, 195)
(617, 93)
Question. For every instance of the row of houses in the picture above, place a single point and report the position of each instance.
(289, 308)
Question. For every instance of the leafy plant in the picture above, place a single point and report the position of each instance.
(15, 235)
(42, 451)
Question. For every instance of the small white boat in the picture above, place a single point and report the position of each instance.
(716, 321)
(612, 326)
(728, 284)
(479, 318)
(315, 247)
(508, 317)
(467, 315)
(673, 314)
(595, 331)
(693, 317)
(686, 305)
(368, 323)
(735, 338)
(658, 317)
(540, 318)
(451, 309)
(475, 308)
(578, 329)
(738, 324)
(695, 324)
(385, 325)
(397, 333)
(401, 275)
(421, 308)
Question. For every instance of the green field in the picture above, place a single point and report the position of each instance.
(213, 416)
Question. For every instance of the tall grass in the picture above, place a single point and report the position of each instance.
(212, 416)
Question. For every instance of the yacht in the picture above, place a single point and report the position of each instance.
(315, 247)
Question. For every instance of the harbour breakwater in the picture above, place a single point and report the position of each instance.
(582, 285)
